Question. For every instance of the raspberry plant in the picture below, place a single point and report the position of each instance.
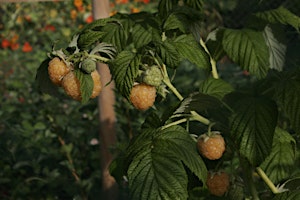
(259, 122)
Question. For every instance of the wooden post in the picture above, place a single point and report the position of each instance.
(107, 117)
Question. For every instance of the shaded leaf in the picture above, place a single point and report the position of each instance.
(141, 36)
(214, 44)
(252, 126)
(169, 53)
(294, 195)
(86, 85)
(215, 87)
(280, 162)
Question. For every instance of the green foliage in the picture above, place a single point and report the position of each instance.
(86, 85)
(155, 171)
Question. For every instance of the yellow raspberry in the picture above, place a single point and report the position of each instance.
(142, 96)
(71, 85)
(218, 183)
(57, 69)
(211, 147)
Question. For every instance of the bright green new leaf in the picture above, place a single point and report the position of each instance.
(280, 15)
(215, 87)
(276, 48)
(157, 158)
(280, 162)
(189, 48)
(248, 49)
(124, 69)
(86, 85)
(252, 126)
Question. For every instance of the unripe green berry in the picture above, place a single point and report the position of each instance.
(153, 76)
(88, 65)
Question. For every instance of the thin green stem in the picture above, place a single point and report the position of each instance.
(212, 61)
(200, 118)
(266, 179)
(175, 123)
(100, 58)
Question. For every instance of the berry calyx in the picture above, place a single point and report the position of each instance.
(153, 76)
(88, 65)
(142, 96)
(218, 183)
(211, 146)
(57, 69)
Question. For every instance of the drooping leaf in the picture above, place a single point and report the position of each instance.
(280, 162)
(124, 69)
(189, 48)
(165, 7)
(157, 158)
(86, 85)
(173, 22)
(88, 38)
(248, 49)
(280, 15)
(43, 82)
(252, 125)
(276, 48)
(215, 87)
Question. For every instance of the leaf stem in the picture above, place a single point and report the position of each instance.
(212, 61)
(174, 123)
(99, 58)
(266, 179)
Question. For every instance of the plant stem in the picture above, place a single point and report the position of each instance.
(212, 61)
(100, 58)
(266, 179)
(174, 123)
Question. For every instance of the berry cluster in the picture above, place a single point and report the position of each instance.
(63, 75)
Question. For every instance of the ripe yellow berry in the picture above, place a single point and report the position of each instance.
(71, 85)
(142, 96)
(211, 147)
(218, 183)
(57, 69)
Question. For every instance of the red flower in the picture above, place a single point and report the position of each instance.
(26, 47)
(146, 1)
(89, 19)
(14, 46)
(49, 28)
(5, 43)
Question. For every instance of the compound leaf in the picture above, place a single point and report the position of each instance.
(248, 49)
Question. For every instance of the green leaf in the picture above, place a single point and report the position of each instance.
(252, 126)
(43, 82)
(86, 85)
(287, 90)
(217, 88)
(248, 49)
(165, 7)
(198, 102)
(276, 48)
(280, 162)
(214, 44)
(141, 36)
(156, 170)
(280, 15)
(116, 35)
(294, 195)
(174, 22)
(189, 48)
(169, 53)
(88, 38)
(125, 69)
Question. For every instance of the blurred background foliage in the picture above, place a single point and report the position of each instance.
(49, 147)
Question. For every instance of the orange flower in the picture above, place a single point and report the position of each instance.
(5, 43)
(73, 14)
(26, 47)
(146, 1)
(89, 19)
(135, 10)
(14, 46)
(14, 39)
(78, 3)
